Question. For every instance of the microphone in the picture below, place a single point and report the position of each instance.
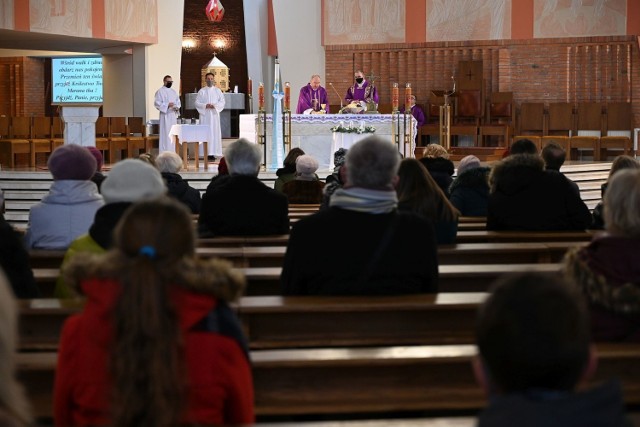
(339, 97)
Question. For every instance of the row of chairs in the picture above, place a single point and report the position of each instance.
(28, 135)
(600, 147)
(122, 136)
(504, 119)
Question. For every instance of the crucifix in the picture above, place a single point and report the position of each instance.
(372, 77)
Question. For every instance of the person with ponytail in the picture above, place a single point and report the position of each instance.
(14, 408)
(156, 344)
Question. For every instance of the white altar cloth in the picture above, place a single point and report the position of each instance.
(312, 132)
(184, 134)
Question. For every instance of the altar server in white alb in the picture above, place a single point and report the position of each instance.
(167, 102)
(209, 103)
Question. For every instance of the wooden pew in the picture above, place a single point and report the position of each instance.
(360, 380)
(290, 322)
(523, 236)
(462, 253)
(464, 236)
(453, 278)
(266, 280)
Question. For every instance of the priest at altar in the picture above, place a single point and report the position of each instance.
(362, 90)
(312, 97)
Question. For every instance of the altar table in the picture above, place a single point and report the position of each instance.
(312, 132)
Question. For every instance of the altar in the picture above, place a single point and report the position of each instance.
(314, 134)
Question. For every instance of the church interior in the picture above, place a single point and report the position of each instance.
(484, 73)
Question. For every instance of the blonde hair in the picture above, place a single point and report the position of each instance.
(12, 399)
(622, 203)
(435, 151)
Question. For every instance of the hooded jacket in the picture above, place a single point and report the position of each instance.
(523, 196)
(608, 273)
(63, 214)
(470, 192)
(219, 391)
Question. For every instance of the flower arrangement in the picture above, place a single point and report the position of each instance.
(353, 129)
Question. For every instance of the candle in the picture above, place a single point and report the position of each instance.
(287, 96)
(249, 87)
(407, 97)
(395, 97)
(261, 97)
(276, 74)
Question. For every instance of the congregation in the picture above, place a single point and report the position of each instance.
(156, 311)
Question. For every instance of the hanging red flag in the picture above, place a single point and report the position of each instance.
(214, 11)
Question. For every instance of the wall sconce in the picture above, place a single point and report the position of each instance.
(219, 44)
(188, 45)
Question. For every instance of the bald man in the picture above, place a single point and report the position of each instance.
(312, 96)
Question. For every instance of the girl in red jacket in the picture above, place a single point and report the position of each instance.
(156, 344)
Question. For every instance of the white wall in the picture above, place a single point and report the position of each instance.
(256, 23)
(152, 63)
(300, 50)
(117, 85)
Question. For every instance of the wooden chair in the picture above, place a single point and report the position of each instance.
(469, 111)
(117, 138)
(16, 140)
(153, 137)
(40, 138)
(137, 140)
(531, 120)
(617, 128)
(561, 120)
(102, 136)
(589, 125)
(500, 117)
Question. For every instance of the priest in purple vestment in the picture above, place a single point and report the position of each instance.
(313, 96)
(416, 112)
(362, 90)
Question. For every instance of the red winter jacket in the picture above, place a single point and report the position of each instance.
(220, 389)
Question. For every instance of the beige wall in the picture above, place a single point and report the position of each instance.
(300, 47)
(160, 59)
(117, 83)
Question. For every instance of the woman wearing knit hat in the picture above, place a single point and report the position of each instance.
(305, 188)
(129, 181)
(67, 211)
(470, 190)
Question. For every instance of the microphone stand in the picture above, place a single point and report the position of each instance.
(337, 94)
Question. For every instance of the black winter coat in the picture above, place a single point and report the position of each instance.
(181, 190)
(526, 197)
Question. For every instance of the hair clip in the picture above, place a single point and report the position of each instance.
(148, 251)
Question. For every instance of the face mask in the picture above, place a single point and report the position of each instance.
(210, 83)
(168, 84)
(359, 80)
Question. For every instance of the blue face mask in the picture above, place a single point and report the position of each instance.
(210, 83)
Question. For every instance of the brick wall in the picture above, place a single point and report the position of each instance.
(601, 69)
(34, 87)
(21, 86)
(231, 30)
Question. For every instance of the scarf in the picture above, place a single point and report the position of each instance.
(363, 200)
